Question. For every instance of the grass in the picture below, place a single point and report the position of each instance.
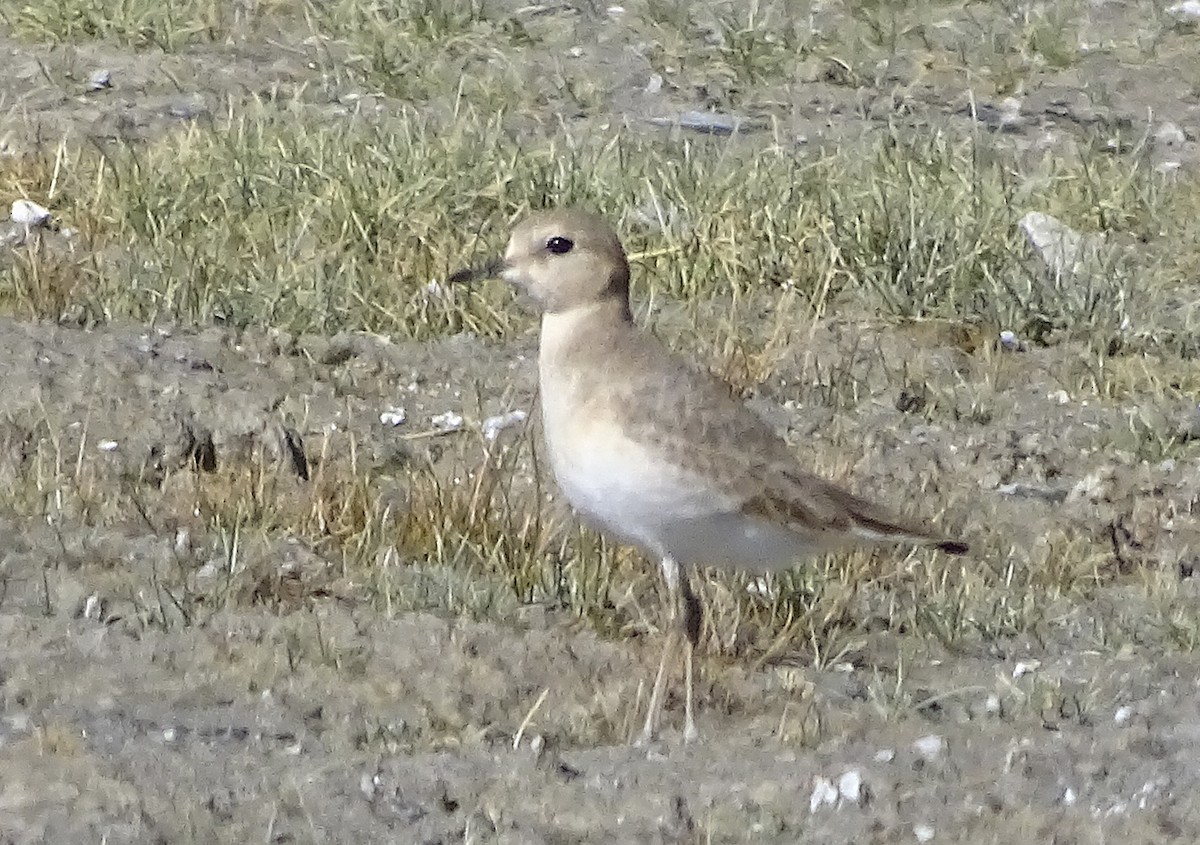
(312, 217)
(320, 228)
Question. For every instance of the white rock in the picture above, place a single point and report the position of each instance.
(1169, 135)
(923, 832)
(850, 787)
(1010, 341)
(29, 213)
(885, 755)
(1059, 397)
(107, 445)
(18, 722)
(1186, 12)
(1069, 797)
(1064, 251)
(1150, 789)
(1008, 113)
(1024, 667)
(1123, 715)
(99, 80)
(446, 422)
(824, 794)
(930, 747)
(393, 416)
(492, 426)
(992, 705)
(761, 586)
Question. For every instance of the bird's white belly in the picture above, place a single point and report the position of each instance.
(615, 485)
(622, 488)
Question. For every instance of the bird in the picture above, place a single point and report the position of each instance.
(655, 451)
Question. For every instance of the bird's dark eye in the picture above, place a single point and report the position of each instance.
(560, 245)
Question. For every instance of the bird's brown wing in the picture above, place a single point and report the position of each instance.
(693, 416)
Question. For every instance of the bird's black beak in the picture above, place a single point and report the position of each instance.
(468, 275)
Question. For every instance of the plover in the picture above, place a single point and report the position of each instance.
(655, 451)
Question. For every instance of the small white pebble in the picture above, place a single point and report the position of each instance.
(107, 445)
(760, 587)
(448, 421)
(1186, 12)
(492, 426)
(1145, 794)
(393, 416)
(1170, 135)
(923, 832)
(435, 289)
(1010, 111)
(18, 722)
(850, 787)
(885, 755)
(99, 80)
(169, 735)
(1123, 715)
(1069, 797)
(824, 793)
(1024, 667)
(1059, 396)
(1009, 340)
(616, 11)
(29, 213)
(930, 747)
(992, 705)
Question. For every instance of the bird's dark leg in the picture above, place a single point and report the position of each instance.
(693, 618)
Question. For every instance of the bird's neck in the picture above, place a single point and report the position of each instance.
(586, 329)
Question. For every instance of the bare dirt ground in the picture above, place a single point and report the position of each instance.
(168, 675)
